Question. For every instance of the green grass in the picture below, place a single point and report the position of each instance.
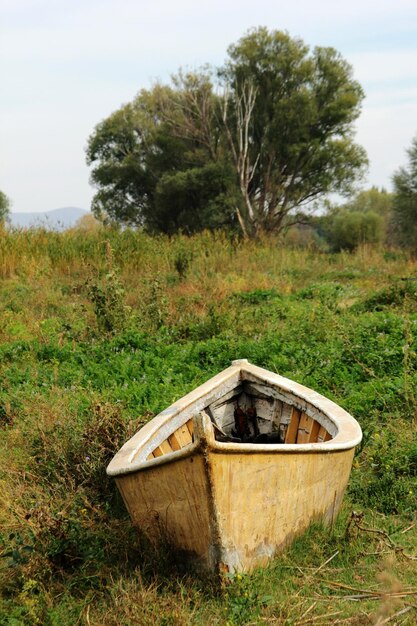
(99, 331)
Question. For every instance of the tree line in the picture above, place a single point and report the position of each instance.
(375, 215)
(250, 145)
(254, 146)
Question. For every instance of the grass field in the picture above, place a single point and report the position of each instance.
(101, 330)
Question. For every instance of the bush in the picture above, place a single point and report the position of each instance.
(346, 230)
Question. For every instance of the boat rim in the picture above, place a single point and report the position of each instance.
(348, 435)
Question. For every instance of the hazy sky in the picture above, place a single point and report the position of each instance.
(65, 65)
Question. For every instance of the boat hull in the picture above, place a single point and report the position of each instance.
(228, 494)
(233, 511)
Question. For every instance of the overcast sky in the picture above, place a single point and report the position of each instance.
(65, 65)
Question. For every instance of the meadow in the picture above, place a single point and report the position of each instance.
(102, 329)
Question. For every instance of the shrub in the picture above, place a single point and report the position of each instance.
(346, 230)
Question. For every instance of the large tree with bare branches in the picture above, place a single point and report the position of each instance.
(288, 116)
(255, 143)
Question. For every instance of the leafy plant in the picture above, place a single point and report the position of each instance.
(107, 296)
(70, 397)
(257, 296)
(155, 309)
(182, 262)
(243, 602)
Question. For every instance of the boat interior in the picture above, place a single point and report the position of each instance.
(253, 412)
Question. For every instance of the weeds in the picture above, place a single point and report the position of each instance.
(182, 262)
(394, 295)
(83, 365)
(243, 603)
(155, 305)
(107, 295)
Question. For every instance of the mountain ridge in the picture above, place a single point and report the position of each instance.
(56, 219)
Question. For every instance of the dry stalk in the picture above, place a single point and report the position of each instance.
(308, 610)
(316, 618)
(407, 529)
(356, 519)
(325, 563)
(392, 617)
(371, 592)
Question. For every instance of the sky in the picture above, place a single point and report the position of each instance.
(64, 66)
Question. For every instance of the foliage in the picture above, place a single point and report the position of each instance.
(149, 174)
(181, 157)
(108, 297)
(394, 295)
(371, 200)
(299, 125)
(365, 219)
(346, 229)
(405, 200)
(4, 207)
(390, 486)
(155, 303)
(88, 223)
(244, 603)
(182, 261)
(257, 296)
(71, 392)
(195, 199)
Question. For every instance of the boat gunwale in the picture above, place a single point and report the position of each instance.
(232, 448)
(348, 433)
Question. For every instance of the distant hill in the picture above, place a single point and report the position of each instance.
(58, 219)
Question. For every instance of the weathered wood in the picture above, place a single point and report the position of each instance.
(290, 397)
(260, 391)
(227, 397)
(173, 440)
(277, 416)
(264, 409)
(285, 418)
(227, 505)
(163, 448)
(321, 434)
(183, 436)
(292, 430)
(304, 428)
(166, 447)
(264, 501)
(314, 432)
(223, 414)
(172, 502)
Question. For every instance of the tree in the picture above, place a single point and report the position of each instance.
(274, 135)
(119, 150)
(294, 112)
(366, 218)
(88, 224)
(199, 191)
(405, 200)
(4, 207)
(347, 229)
(157, 167)
(377, 200)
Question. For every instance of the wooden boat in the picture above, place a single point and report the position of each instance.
(232, 472)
